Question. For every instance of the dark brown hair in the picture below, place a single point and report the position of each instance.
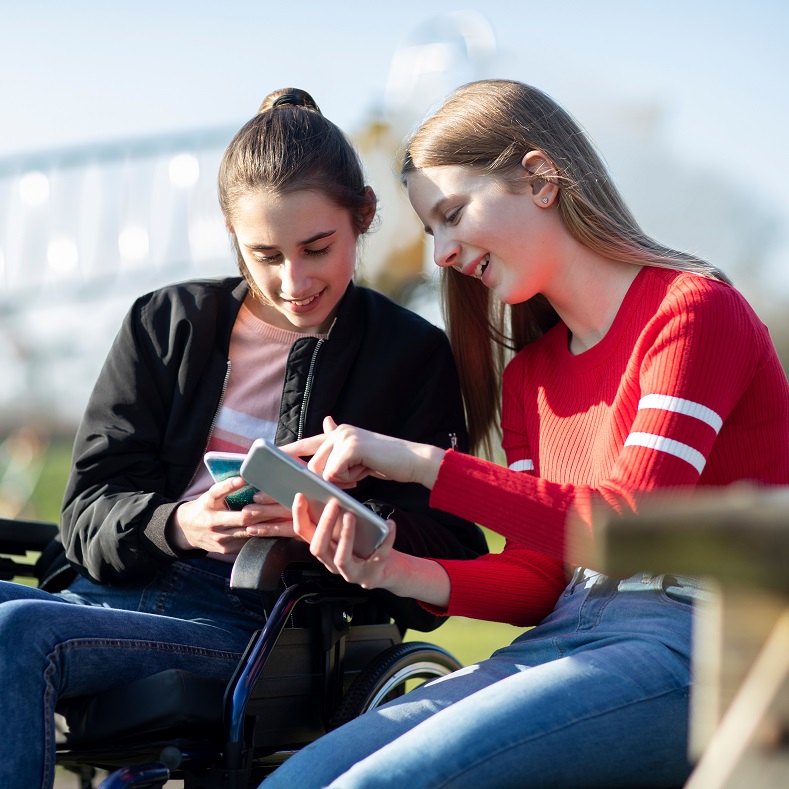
(289, 146)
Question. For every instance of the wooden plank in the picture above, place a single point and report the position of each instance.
(750, 748)
(740, 702)
(739, 535)
(729, 634)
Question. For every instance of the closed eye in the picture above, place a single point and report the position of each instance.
(316, 252)
(268, 258)
(277, 257)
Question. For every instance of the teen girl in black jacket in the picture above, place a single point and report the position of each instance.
(151, 591)
(382, 368)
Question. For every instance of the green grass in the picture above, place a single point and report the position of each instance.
(471, 640)
(48, 493)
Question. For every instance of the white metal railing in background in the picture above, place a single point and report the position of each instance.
(73, 219)
(83, 231)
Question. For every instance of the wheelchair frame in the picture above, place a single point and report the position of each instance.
(292, 684)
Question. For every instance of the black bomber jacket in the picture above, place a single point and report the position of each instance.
(150, 416)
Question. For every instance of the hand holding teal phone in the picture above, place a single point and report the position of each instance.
(222, 466)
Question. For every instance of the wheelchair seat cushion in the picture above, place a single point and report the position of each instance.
(170, 703)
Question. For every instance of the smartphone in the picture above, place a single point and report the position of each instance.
(223, 465)
(270, 469)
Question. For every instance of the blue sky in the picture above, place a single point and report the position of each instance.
(84, 71)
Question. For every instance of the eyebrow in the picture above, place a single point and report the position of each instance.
(311, 240)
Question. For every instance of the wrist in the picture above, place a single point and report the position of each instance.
(174, 532)
(397, 575)
(418, 577)
(431, 458)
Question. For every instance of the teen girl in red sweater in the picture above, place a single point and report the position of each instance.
(638, 369)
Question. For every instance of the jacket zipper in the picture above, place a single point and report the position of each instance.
(213, 422)
(219, 405)
(308, 389)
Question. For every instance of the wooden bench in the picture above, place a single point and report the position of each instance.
(739, 539)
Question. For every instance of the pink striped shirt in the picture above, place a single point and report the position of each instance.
(258, 357)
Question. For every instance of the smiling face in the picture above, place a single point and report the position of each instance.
(504, 238)
(300, 252)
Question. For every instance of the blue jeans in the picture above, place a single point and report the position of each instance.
(594, 696)
(91, 637)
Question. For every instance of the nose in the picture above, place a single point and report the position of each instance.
(295, 279)
(446, 252)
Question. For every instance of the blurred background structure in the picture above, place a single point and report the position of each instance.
(115, 117)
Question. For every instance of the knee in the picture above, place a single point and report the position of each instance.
(26, 628)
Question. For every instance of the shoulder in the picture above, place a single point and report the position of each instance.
(703, 333)
(195, 310)
(703, 306)
(192, 296)
(680, 289)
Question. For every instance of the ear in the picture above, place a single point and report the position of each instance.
(368, 212)
(542, 177)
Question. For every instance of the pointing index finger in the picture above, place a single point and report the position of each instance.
(305, 447)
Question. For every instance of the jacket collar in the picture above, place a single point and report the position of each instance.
(337, 357)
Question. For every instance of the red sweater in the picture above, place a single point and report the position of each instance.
(684, 390)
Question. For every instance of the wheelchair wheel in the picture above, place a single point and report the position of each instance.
(391, 674)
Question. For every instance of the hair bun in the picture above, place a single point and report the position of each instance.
(288, 97)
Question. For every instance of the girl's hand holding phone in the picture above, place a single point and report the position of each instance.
(208, 523)
(331, 542)
(271, 518)
(264, 516)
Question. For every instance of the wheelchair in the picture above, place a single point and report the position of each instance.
(292, 684)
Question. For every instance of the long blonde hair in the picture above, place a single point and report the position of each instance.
(488, 126)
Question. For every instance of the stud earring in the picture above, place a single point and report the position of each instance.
(545, 200)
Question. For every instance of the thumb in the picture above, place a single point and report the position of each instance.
(329, 424)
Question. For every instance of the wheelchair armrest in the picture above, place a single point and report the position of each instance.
(262, 560)
(18, 536)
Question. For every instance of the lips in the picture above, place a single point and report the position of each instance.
(302, 303)
(479, 268)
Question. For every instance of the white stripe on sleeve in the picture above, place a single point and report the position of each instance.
(679, 405)
(670, 446)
